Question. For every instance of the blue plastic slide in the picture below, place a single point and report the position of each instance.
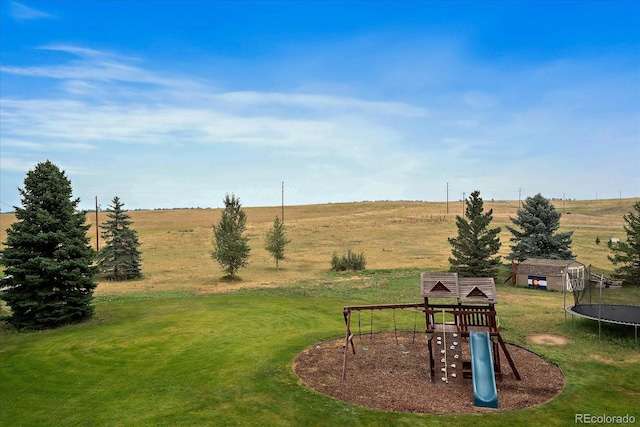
(485, 393)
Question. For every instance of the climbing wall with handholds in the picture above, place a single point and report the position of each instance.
(448, 364)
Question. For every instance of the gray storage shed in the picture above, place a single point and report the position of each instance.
(548, 273)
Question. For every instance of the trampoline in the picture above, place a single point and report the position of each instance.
(609, 313)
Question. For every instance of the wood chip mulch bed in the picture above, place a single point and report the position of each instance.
(384, 378)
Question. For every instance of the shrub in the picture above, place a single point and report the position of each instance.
(350, 261)
(337, 263)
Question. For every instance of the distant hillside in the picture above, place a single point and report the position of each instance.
(396, 234)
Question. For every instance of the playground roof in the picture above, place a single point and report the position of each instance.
(477, 289)
(439, 285)
(449, 285)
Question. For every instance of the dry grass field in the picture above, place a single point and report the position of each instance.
(401, 234)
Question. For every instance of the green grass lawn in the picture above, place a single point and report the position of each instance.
(174, 358)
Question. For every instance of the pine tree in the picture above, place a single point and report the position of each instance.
(231, 248)
(47, 257)
(537, 237)
(474, 249)
(276, 240)
(120, 258)
(626, 255)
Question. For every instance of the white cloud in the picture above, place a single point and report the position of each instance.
(21, 144)
(94, 66)
(15, 165)
(140, 134)
(322, 102)
(22, 12)
(94, 110)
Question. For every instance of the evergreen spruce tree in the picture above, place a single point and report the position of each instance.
(276, 240)
(47, 256)
(231, 248)
(120, 258)
(626, 254)
(537, 236)
(475, 247)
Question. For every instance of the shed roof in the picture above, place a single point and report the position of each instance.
(546, 266)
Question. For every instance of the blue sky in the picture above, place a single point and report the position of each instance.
(173, 104)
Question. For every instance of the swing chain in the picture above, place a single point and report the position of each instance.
(365, 348)
(395, 331)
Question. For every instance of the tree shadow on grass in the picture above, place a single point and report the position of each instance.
(230, 279)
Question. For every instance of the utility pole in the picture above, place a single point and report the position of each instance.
(463, 204)
(283, 202)
(563, 203)
(447, 198)
(519, 197)
(97, 233)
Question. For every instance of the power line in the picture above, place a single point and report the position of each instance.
(6, 204)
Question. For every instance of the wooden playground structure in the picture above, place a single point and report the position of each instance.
(470, 321)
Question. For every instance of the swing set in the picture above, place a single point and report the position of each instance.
(369, 333)
(473, 313)
(363, 336)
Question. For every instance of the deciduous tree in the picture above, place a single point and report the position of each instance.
(231, 248)
(475, 247)
(48, 259)
(275, 240)
(120, 258)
